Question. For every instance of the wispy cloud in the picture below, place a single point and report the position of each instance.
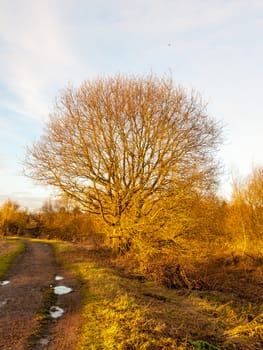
(45, 44)
(34, 54)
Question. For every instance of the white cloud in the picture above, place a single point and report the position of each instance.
(25, 199)
(34, 57)
(155, 17)
(45, 43)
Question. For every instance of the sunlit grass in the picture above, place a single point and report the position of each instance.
(124, 313)
(252, 329)
(114, 318)
(9, 250)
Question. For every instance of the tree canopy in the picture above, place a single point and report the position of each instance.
(122, 146)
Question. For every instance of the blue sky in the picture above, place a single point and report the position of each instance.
(215, 47)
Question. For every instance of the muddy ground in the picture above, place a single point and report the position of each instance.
(24, 303)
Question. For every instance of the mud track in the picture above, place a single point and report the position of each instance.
(23, 298)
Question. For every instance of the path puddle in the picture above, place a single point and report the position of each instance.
(59, 278)
(43, 341)
(4, 283)
(60, 290)
(56, 311)
(3, 303)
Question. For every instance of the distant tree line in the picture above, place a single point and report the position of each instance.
(55, 220)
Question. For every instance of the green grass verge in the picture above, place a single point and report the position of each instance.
(10, 249)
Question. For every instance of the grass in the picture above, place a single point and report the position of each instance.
(115, 319)
(122, 312)
(9, 250)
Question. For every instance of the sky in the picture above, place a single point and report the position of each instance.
(214, 47)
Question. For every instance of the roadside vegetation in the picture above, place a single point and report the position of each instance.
(9, 250)
(125, 311)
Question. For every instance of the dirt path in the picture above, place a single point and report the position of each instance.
(32, 273)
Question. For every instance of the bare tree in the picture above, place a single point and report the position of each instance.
(119, 146)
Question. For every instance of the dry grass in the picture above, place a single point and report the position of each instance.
(124, 311)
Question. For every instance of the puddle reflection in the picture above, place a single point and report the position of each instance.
(3, 303)
(4, 283)
(56, 311)
(43, 341)
(59, 278)
(60, 290)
